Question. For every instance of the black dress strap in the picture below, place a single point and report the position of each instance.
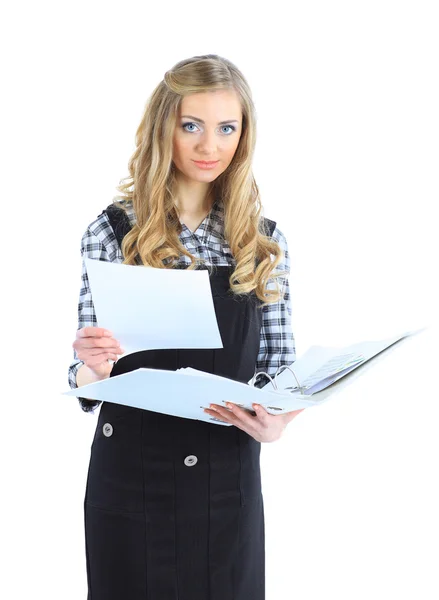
(119, 222)
(269, 225)
(121, 225)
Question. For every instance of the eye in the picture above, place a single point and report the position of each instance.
(190, 124)
(186, 125)
(230, 127)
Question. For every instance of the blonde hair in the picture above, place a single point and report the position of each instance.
(151, 186)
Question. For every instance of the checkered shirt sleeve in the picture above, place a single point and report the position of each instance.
(98, 242)
(277, 346)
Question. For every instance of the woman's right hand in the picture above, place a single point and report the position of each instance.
(94, 346)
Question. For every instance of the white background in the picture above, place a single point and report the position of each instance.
(347, 163)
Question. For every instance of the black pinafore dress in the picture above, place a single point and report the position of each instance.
(173, 507)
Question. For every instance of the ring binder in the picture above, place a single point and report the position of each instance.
(322, 371)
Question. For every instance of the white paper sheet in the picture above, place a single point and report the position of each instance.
(148, 309)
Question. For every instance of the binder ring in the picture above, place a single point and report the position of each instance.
(297, 381)
(273, 379)
(256, 375)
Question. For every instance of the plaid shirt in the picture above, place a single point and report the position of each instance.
(277, 346)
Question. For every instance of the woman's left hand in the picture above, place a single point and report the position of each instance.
(263, 427)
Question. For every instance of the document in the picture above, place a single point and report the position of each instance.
(182, 393)
(149, 309)
(309, 381)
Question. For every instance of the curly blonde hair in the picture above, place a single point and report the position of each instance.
(151, 186)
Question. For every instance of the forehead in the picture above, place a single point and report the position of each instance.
(216, 105)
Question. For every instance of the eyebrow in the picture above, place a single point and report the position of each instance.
(201, 120)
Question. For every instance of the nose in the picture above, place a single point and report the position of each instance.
(207, 144)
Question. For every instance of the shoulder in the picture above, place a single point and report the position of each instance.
(99, 236)
(272, 230)
(279, 237)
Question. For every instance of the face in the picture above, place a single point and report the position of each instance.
(208, 128)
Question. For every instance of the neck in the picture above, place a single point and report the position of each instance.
(194, 198)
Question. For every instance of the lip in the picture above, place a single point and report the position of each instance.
(206, 164)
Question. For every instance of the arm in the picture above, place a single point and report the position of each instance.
(79, 374)
(277, 345)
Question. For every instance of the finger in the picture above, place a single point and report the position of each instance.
(87, 355)
(214, 414)
(112, 349)
(226, 416)
(242, 414)
(93, 332)
(239, 417)
(262, 415)
(95, 342)
(99, 359)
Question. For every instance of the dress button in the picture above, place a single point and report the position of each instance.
(107, 429)
(190, 460)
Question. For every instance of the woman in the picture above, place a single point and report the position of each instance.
(173, 506)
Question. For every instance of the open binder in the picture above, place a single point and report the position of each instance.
(323, 371)
(309, 381)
